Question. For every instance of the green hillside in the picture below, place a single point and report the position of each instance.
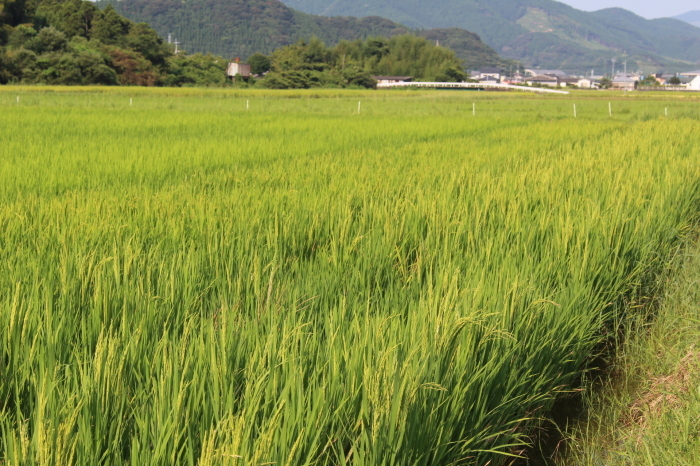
(239, 28)
(541, 33)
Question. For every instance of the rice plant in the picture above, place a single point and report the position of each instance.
(187, 279)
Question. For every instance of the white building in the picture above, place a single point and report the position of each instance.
(488, 80)
(392, 79)
(543, 80)
(564, 82)
(694, 85)
(238, 68)
(490, 72)
(587, 83)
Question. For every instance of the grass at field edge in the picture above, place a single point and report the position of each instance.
(646, 409)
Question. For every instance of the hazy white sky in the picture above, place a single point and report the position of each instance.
(645, 8)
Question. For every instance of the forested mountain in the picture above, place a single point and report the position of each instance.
(73, 42)
(239, 28)
(541, 33)
(691, 17)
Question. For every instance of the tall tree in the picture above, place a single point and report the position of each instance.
(48, 40)
(109, 27)
(4, 71)
(72, 17)
(259, 63)
(145, 40)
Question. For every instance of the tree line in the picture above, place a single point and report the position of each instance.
(75, 43)
(353, 63)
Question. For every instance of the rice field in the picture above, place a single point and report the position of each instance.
(257, 278)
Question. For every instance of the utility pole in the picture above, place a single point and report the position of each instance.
(613, 67)
(625, 68)
(170, 38)
(176, 44)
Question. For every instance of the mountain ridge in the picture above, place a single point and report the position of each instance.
(542, 33)
(690, 17)
(239, 28)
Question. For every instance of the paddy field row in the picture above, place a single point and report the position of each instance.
(221, 277)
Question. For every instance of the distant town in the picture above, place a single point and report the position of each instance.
(687, 81)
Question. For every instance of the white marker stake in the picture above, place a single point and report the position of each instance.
(474, 109)
(17, 100)
(359, 107)
(575, 111)
(610, 109)
(247, 104)
(666, 111)
(131, 102)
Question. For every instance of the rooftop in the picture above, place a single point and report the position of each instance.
(625, 79)
(392, 78)
(559, 73)
(542, 77)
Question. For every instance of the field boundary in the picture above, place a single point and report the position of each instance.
(476, 86)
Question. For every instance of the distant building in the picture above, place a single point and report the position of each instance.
(663, 78)
(517, 78)
(588, 83)
(543, 80)
(489, 80)
(490, 72)
(624, 82)
(551, 73)
(689, 81)
(690, 74)
(563, 82)
(392, 79)
(694, 85)
(238, 68)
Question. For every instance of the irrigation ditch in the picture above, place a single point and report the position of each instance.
(552, 440)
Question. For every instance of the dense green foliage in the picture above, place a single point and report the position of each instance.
(73, 42)
(259, 63)
(541, 33)
(184, 281)
(312, 64)
(239, 28)
(649, 80)
(469, 47)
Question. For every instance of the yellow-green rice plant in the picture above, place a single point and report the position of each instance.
(187, 282)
